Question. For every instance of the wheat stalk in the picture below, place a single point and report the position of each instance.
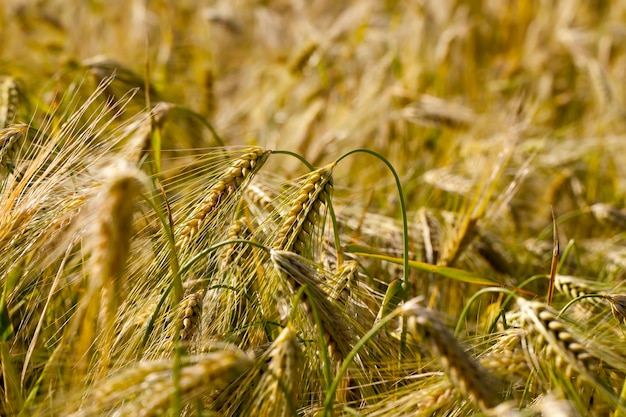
(240, 171)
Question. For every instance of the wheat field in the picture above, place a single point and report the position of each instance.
(290, 208)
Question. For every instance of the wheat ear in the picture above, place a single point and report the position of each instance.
(277, 392)
(469, 376)
(9, 100)
(147, 389)
(109, 241)
(297, 273)
(191, 312)
(240, 170)
(12, 139)
(571, 355)
(295, 234)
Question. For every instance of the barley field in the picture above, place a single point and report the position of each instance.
(326, 208)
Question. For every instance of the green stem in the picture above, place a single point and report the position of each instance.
(575, 300)
(330, 393)
(478, 293)
(405, 224)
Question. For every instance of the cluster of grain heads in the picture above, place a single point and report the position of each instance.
(467, 375)
(108, 240)
(300, 222)
(240, 171)
(154, 388)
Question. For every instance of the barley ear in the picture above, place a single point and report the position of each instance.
(278, 390)
(191, 312)
(9, 100)
(239, 172)
(109, 241)
(295, 234)
(468, 376)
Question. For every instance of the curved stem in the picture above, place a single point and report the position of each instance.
(405, 224)
(473, 298)
(575, 300)
(297, 156)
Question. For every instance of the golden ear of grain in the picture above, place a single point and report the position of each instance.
(109, 241)
(506, 359)
(294, 270)
(191, 312)
(110, 235)
(277, 393)
(241, 170)
(298, 226)
(618, 306)
(9, 100)
(550, 336)
(147, 389)
(344, 279)
(12, 139)
(572, 286)
(239, 230)
(469, 376)
(139, 140)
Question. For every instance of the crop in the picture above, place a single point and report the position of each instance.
(373, 208)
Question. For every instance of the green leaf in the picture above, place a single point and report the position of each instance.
(445, 271)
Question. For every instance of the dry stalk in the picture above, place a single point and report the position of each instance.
(240, 170)
(468, 376)
(298, 227)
